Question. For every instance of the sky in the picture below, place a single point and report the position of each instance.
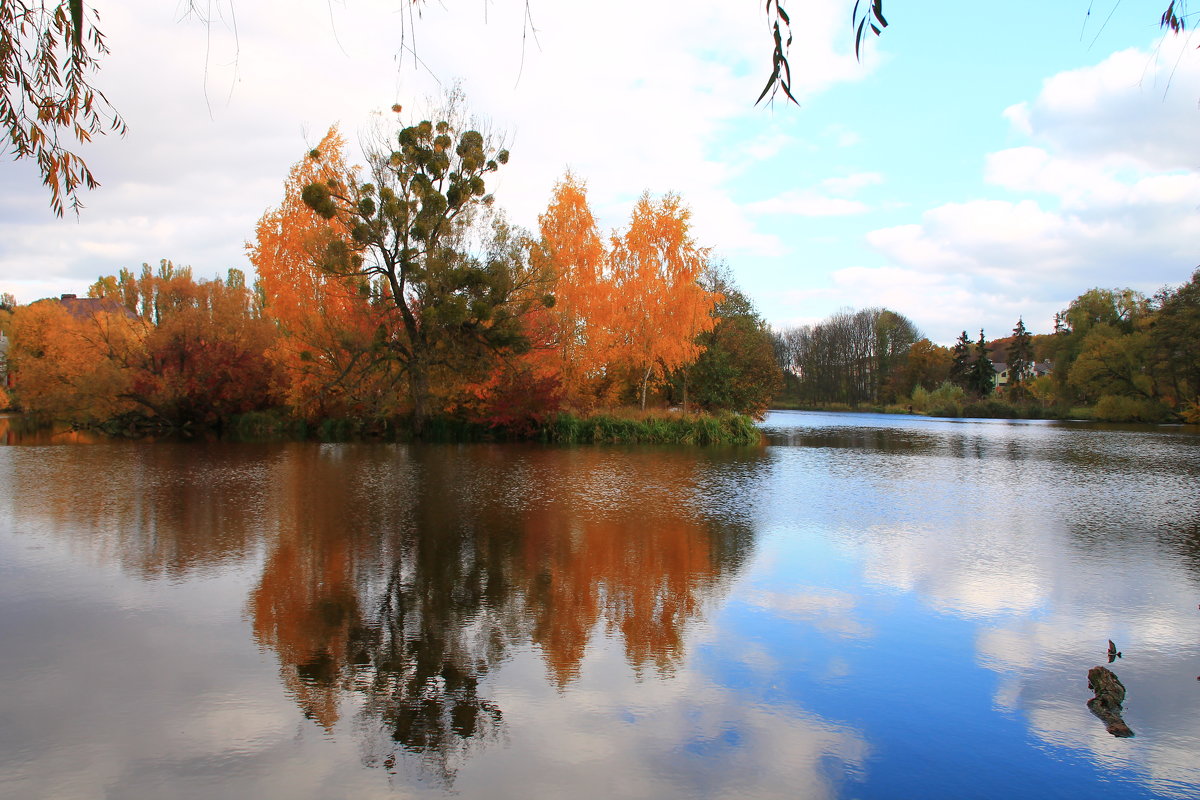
(973, 168)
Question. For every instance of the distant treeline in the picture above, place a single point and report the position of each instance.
(1114, 355)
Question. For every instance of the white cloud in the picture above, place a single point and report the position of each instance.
(1114, 168)
(806, 203)
(852, 183)
(631, 96)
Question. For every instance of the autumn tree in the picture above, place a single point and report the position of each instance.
(410, 228)
(329, 348)
(662, 307)
(66, 366)
(927, 365)
(200, 353)
(573, 253)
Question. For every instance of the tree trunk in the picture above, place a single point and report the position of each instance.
(418, 383)
(645, 384)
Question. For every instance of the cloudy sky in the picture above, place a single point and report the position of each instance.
(972, 169)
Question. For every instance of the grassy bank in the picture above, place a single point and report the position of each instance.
(655, 428)
(615, 427)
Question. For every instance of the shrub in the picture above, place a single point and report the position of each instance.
(1116, 408)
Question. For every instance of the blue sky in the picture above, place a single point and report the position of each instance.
(973, 168)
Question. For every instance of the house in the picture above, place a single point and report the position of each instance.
(1035, 370)
(85, 308)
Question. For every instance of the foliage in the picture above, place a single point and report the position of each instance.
(580, 328)
(332, 358)
(662, 307)
(47, 57)
(193, 355)
(982, 377)
(411, 229)
(944, 401)
(704, 429)
(852, 357)
(927, 365)
(1122, 408)
(1175, 343)
(736, 370)
(67, 368)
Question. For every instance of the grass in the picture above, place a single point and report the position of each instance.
(623, 427)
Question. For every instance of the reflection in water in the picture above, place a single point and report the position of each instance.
(408, 596)
(15, 429)
(860, 610)
(160, 511)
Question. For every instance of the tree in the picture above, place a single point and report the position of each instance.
(1175, 337)
(66, 366)
(662, 307)
(329, 348)
(573, 252)
(927, 365)
(199, 352)
(982, 377)
(1020, 356)
(410, 228)
(960, 364)
(736, 369)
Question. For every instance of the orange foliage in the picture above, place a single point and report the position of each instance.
(329, 349)
(629, 314)
(199, 354)
(655, 267)
(69, 367)
(582, 316)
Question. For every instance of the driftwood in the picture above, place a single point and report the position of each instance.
(1106, 705)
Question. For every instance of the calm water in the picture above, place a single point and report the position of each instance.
(869, 607)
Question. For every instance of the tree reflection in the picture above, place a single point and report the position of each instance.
(396, 590)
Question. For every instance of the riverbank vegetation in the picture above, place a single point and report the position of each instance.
(1114, 355)
(399, 302)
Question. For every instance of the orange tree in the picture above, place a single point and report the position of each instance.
(332, 360)
(661, 308)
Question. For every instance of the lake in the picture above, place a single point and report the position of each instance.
(867, 607)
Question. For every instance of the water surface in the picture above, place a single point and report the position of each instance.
(869, 606)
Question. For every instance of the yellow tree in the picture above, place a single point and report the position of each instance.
(328, 348)
(661, 306)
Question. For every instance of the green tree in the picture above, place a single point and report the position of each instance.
(1020, 357)
(1175, 337)
(960, 363)
(1112, 362)
(737, 369)
(411, 228)
(982, 377)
